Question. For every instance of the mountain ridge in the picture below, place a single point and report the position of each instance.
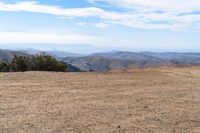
(126, 60)
(118, 59)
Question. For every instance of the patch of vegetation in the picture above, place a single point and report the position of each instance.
(40, 62)
(4, 66)
(71, 68)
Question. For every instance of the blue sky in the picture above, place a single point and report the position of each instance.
(102, 25)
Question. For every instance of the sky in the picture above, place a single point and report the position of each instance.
(101, 25)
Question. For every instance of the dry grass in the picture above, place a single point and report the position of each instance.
(150, 100)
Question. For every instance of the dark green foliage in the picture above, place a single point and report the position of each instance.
(35, 63)
(4, 66)
(46, 63)
(20, 64)
(71, 68)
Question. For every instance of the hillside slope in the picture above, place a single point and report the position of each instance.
(8, 54)
(127, 60)
(98, 63)
(116, 60)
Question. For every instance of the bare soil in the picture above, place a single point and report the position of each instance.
(164, 100)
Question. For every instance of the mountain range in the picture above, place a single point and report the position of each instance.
(126, 60)
(115, 60)
(9, 54)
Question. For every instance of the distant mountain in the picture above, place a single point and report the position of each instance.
(29, 51)
(72, 48)
(8, 54)
(126, 56)
(180, 59)
(62, 54)
(114, 60)
(55, 53)
(125, 60)
(97, 63)
(173, 55)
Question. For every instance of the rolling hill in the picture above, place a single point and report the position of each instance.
(126, 60)
(8, 54)
(116, 60)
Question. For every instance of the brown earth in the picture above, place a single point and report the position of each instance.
(164, 100)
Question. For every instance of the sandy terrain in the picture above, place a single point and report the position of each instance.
(149, 100)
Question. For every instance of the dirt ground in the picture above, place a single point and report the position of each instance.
(164, 100)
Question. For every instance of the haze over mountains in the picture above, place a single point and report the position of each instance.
(8, 55)
(125, 60)
(114, 60)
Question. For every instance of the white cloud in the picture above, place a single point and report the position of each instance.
(97, 25)
(27, 37)
(145, 14)
(35, 7)
(150, 14)
(156, 4)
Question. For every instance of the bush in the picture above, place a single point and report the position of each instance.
(71, 68)
(47, 63)
(34, 63)
(4, 66)
(20, 64)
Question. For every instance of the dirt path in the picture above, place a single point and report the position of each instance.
(150, 100)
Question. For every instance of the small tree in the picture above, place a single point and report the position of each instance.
(20, 64)
(4, 66)
(47, 63)
(40, 62)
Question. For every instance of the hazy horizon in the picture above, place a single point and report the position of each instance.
(90, 26)
(87, 49)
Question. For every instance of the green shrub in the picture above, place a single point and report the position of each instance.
(71, 68)
(40, 62)
(46, 63)
(20, 64)
(4, 66)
